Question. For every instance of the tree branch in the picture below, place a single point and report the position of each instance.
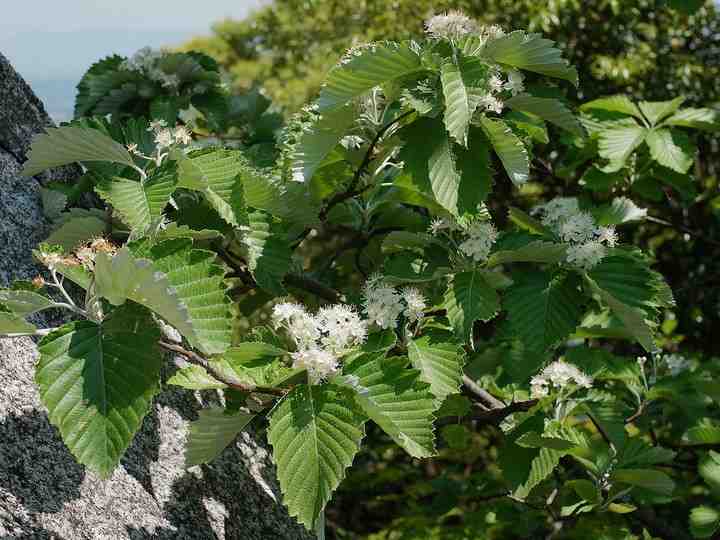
(313, 286)
(194, 358)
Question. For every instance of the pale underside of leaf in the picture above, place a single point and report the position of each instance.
(68, 144)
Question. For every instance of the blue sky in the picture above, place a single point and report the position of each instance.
(52, 42)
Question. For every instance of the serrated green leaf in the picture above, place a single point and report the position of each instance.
(318, 141)
(530, 52)
(97, 382)
(212, 432)
(457, 107)
(195, 378)
(543, 309)
(509, 148)
(650, 479)
(655, 111)
(366, 68)
(532, 439)
(53, 202)
(704, 521)
(618, 139)
(469, 298)
(671, 149)
(140, 204)
(68, 144)
(552, 110)
(269, 252)
(440, 364)
(394, 398)
(217, 174)
(315, 432)
(538, 251)
(253, 363)
(704, 119)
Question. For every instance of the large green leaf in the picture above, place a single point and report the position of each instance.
(618, 139)
(552, 110)
(530, 52)
(366, 68)
(269, 252)
(212, 432)
(195, 377)
(457, 105)
(457, 178)
(140, 204)
(672, 149)
(217, 174)
(68, 144)
(468, 298)
(509, 148)
(318, 141)
(709, 469)
(315, 432)
(440, 362)
(97, 382)
(393, 397)
(650, 479)
(543, 308)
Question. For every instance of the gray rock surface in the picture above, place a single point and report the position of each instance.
(44, 493)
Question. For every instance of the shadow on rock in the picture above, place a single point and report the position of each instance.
(35, 465)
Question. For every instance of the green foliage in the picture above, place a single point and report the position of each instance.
(360, 263)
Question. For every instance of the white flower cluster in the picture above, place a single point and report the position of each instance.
(166, 137)
(676, 364)
(146, 61)
(558, 374)
(321, 339)
(588, 243)
(481, 237)
(451, 25)
(384, 304)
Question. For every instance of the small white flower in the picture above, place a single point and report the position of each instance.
(558, 374)
(415, 302)
(491, 103)
(556, 210)
(491, 32)
(482, 236)
(171, 81)
(182, 135)
(451, 25)
(496, 83)
(515, 83)
(320, 364)
(577, 228)
(132, 148)
(283, 312)
(341, 328)
(608, 235)
(586, 255)
(164, 138)
(676, 364)
(383, 304)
